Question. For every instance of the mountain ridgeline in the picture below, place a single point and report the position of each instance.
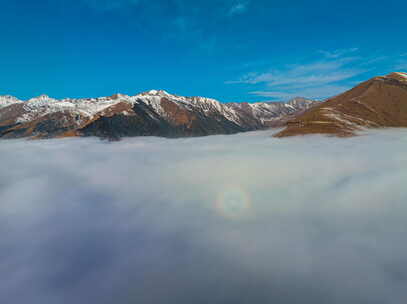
(377, 103)
(153, 113)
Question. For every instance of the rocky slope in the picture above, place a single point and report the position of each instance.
(376, 103)
(156, 113)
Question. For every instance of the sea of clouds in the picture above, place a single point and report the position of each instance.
(222, 219)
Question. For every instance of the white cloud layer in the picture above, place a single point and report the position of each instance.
(223, 219)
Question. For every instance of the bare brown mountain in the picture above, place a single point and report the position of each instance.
(376, 103)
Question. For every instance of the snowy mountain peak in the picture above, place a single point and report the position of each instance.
(42, 97)
(119, 96)
(8, 97)
(7, 100)
(157, 93)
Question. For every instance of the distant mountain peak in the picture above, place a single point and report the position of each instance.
(42, 97)
(300, 99)
(118, 96)
(7, 97)
(157, 93)
(6, 100)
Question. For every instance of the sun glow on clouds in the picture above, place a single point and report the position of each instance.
(223, 219)
(233, 203)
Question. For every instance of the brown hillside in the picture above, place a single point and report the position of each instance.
(376, 103)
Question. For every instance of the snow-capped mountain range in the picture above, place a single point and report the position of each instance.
(376, 103)
(155, 112)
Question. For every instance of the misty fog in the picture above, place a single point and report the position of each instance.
(243, 218)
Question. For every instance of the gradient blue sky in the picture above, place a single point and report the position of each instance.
(232, 50)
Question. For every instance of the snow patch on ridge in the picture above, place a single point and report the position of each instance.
(44, 105)
(7, 100)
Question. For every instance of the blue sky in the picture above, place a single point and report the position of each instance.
(232, 50)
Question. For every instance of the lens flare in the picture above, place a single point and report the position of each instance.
(233, 203)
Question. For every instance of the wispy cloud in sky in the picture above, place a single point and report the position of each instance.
(326, 90)
(317, 79)
(338, 53)
(239, 7)
(185, 22)
(295, 78)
